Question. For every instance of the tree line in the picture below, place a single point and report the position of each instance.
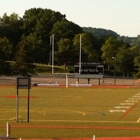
(25, 41)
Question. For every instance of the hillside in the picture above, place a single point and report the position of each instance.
(98, 32)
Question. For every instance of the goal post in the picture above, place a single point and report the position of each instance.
(67, 83)
(8, 131)
(93, 137)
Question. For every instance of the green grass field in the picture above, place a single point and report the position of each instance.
(71, 112)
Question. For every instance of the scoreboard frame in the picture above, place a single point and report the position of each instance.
(89, 70)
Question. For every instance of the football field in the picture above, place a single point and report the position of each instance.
(71, 112)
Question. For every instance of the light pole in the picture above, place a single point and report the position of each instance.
(114, 70)
(80, 54)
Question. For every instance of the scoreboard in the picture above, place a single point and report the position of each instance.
(89, 70)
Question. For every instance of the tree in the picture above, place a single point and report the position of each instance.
(11, 28)
(137, 66)
(40, 22)
(5, 48)
(100, 32)
(65, 52)
(109, 50)
(26, 54)
(5, 53)
(88, 52)
(125, 59)
(136, 61)
(65, 29)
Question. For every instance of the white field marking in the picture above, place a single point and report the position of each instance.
(132, 101)
(47, 84)
(75, 111)
(136, 96)
(80, 112)
(14, 118)
(127, 103)
(80, 85)
(81, 121)
(138, 120)
(77, 121)
(3, 119)
(117, 111)
(122, 107)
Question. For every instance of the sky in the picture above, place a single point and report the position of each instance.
(120, 16)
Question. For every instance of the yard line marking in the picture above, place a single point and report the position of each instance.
(136, 96)
(3, 119)
(138, 120)
(77, 121)
(13, 118)
(117, 111)
(127, 103)
(131, 101)
(122, 107)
